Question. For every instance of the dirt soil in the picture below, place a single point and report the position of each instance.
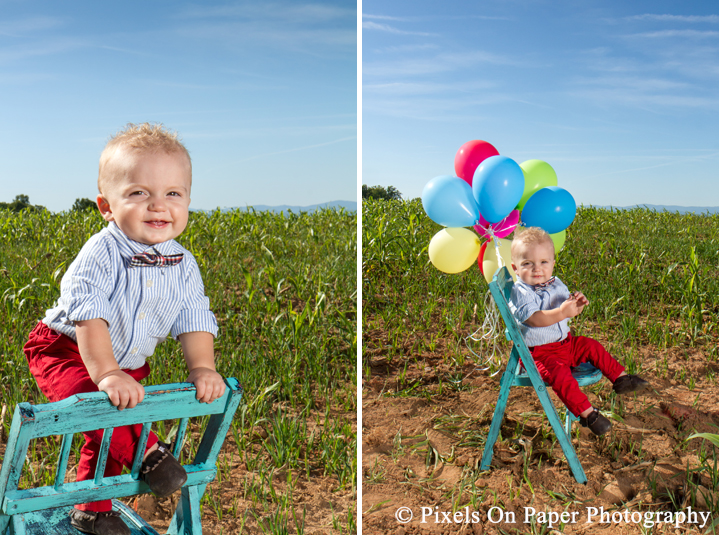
(320, 498)
(423, 450)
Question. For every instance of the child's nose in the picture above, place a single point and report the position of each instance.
(157, 203)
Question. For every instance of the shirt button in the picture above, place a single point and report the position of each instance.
(134, 350)
(141, 316)
(149, 284)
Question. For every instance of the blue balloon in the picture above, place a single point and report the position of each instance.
(498, 186)
(448, 200)
(551, 208)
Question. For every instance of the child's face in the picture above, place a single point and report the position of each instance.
(534, 263)
(151, 202)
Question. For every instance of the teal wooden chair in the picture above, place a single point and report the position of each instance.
(516, 374)
(44, 510)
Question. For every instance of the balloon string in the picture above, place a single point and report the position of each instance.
(493, 238)
(488, 333)
(500, 260)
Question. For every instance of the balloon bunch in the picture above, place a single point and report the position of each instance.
(495, 196)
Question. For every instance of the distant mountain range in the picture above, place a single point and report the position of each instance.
(350, 206)
(670, 208)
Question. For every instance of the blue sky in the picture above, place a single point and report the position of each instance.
(620, 98)
(263, 94)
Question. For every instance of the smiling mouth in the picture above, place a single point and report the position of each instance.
(157, 224)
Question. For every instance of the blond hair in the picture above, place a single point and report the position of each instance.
(145, 138)
(530, 236)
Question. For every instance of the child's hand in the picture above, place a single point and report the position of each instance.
(581, 299)
(571, 307)
(209, 384)
(122, 389)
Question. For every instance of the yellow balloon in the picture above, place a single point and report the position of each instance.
(490, 264)
(454, 249)
(558, 238)
(537, 175)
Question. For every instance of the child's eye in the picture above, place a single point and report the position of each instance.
(137, 193)
(175, 194)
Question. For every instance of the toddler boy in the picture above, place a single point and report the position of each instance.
(130, 285)
(542, 305)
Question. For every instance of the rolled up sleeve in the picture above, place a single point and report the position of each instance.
(86, 292)
(523, 303)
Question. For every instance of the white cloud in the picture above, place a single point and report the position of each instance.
(15, 53)
(30, 25)
(402, 49)
(712, 19)
(423, 88)
(433, 65)
(294, 12)
(375, 26)
(383, 17)
(690, 34)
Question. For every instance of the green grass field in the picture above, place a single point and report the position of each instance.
(283, 288)
(653, 277)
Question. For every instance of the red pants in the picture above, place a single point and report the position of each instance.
(55, 362)
(555, 360)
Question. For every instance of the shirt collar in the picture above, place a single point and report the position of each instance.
(128, 247)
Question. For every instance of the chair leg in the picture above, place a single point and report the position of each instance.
(186, 520)
(505, 385)
(563, 437)
(17, 526)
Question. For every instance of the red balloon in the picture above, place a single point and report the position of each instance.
(480, 258)
(469, 156)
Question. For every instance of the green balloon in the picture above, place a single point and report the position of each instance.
(537, 175)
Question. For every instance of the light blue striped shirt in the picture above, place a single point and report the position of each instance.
(526, 299)
(141, 305)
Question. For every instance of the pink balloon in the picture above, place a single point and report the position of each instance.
(502, 229)
(469, 156)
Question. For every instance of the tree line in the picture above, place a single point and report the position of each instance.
(22, 202)
(380, 192)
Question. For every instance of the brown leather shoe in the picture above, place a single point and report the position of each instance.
(629, 383)
(107, 523)
(161, 471)
(596, 422)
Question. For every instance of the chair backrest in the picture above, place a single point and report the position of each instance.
(501, 290)
(87, 412)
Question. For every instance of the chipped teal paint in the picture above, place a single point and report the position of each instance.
(515, 375)
(43, 510)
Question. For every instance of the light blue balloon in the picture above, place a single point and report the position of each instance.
(448, 200)
(551, 208)
(498, 186)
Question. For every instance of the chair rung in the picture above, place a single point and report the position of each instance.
(102, 456)
(62, 460)
(140, 453)
(180, 437)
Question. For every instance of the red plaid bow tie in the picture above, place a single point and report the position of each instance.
(149, 259)
(549, 282)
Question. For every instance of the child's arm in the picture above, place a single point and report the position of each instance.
(570, 308)
(199, 351)
(93, 341)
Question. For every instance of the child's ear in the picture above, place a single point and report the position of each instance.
(104, 206)
(514, 267)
